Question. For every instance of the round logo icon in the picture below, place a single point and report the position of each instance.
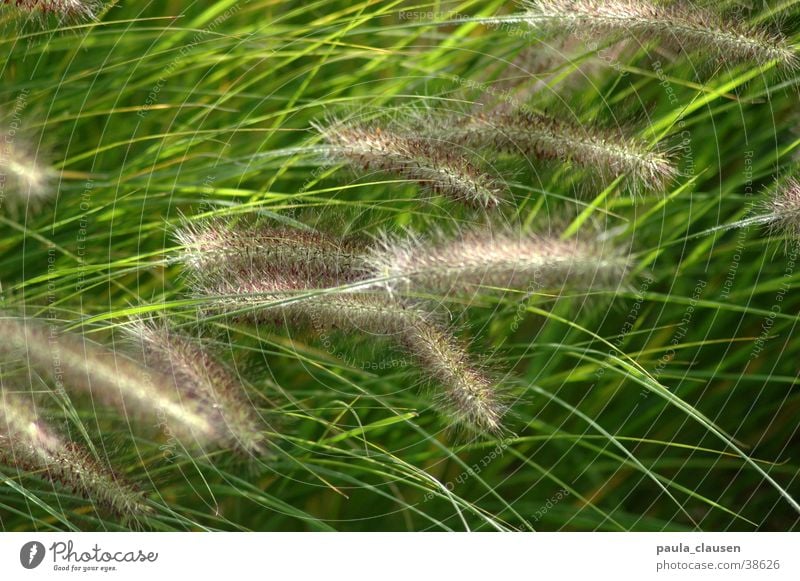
(31, 554)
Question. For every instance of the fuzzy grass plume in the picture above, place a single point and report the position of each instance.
(779, 213)
(215, 247)
(603, 152)
(206, 381)
(499, 260)
(783, 209)
(29, 443)
(24, 180)
(433, 165)
(681, 23)
(471, 395)
(61, 9)
(75, 363)
(467, 393)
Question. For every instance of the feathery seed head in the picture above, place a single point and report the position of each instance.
(468, 396)
(24, 181)
(204, 380)
(215, 248)
(503, 260)
(62, 9)
(287, 299)
(608, 154)
(433, 165)
(29, 443)
(784, 208)
(111, 377)
(291, 291)
(689, 27)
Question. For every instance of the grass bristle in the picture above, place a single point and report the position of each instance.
(433, 165)
(471, 397)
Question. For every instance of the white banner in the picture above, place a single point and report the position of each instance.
(400, 556)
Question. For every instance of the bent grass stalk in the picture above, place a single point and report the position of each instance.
(686, 25)
(470, 396)
(485, 259)
(608, 154)
(205, 380)
(432, 165)
(113, 378)
(30, 444)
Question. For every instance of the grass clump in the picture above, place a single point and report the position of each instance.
(657, 402)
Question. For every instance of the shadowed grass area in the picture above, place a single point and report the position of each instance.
(669, 402)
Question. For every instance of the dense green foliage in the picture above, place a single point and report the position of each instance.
(671, 403)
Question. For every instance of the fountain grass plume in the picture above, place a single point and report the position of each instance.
(681, 23)
(603, 152)
(484, 259)
(215, 247)
(24, 180)
(466, 392)
(778, 212)
(430, 163)
(76, 363)
(783, 209)
(288, 299)
(63, 9)
(29, 443)
(472, 397)
(205, 380)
